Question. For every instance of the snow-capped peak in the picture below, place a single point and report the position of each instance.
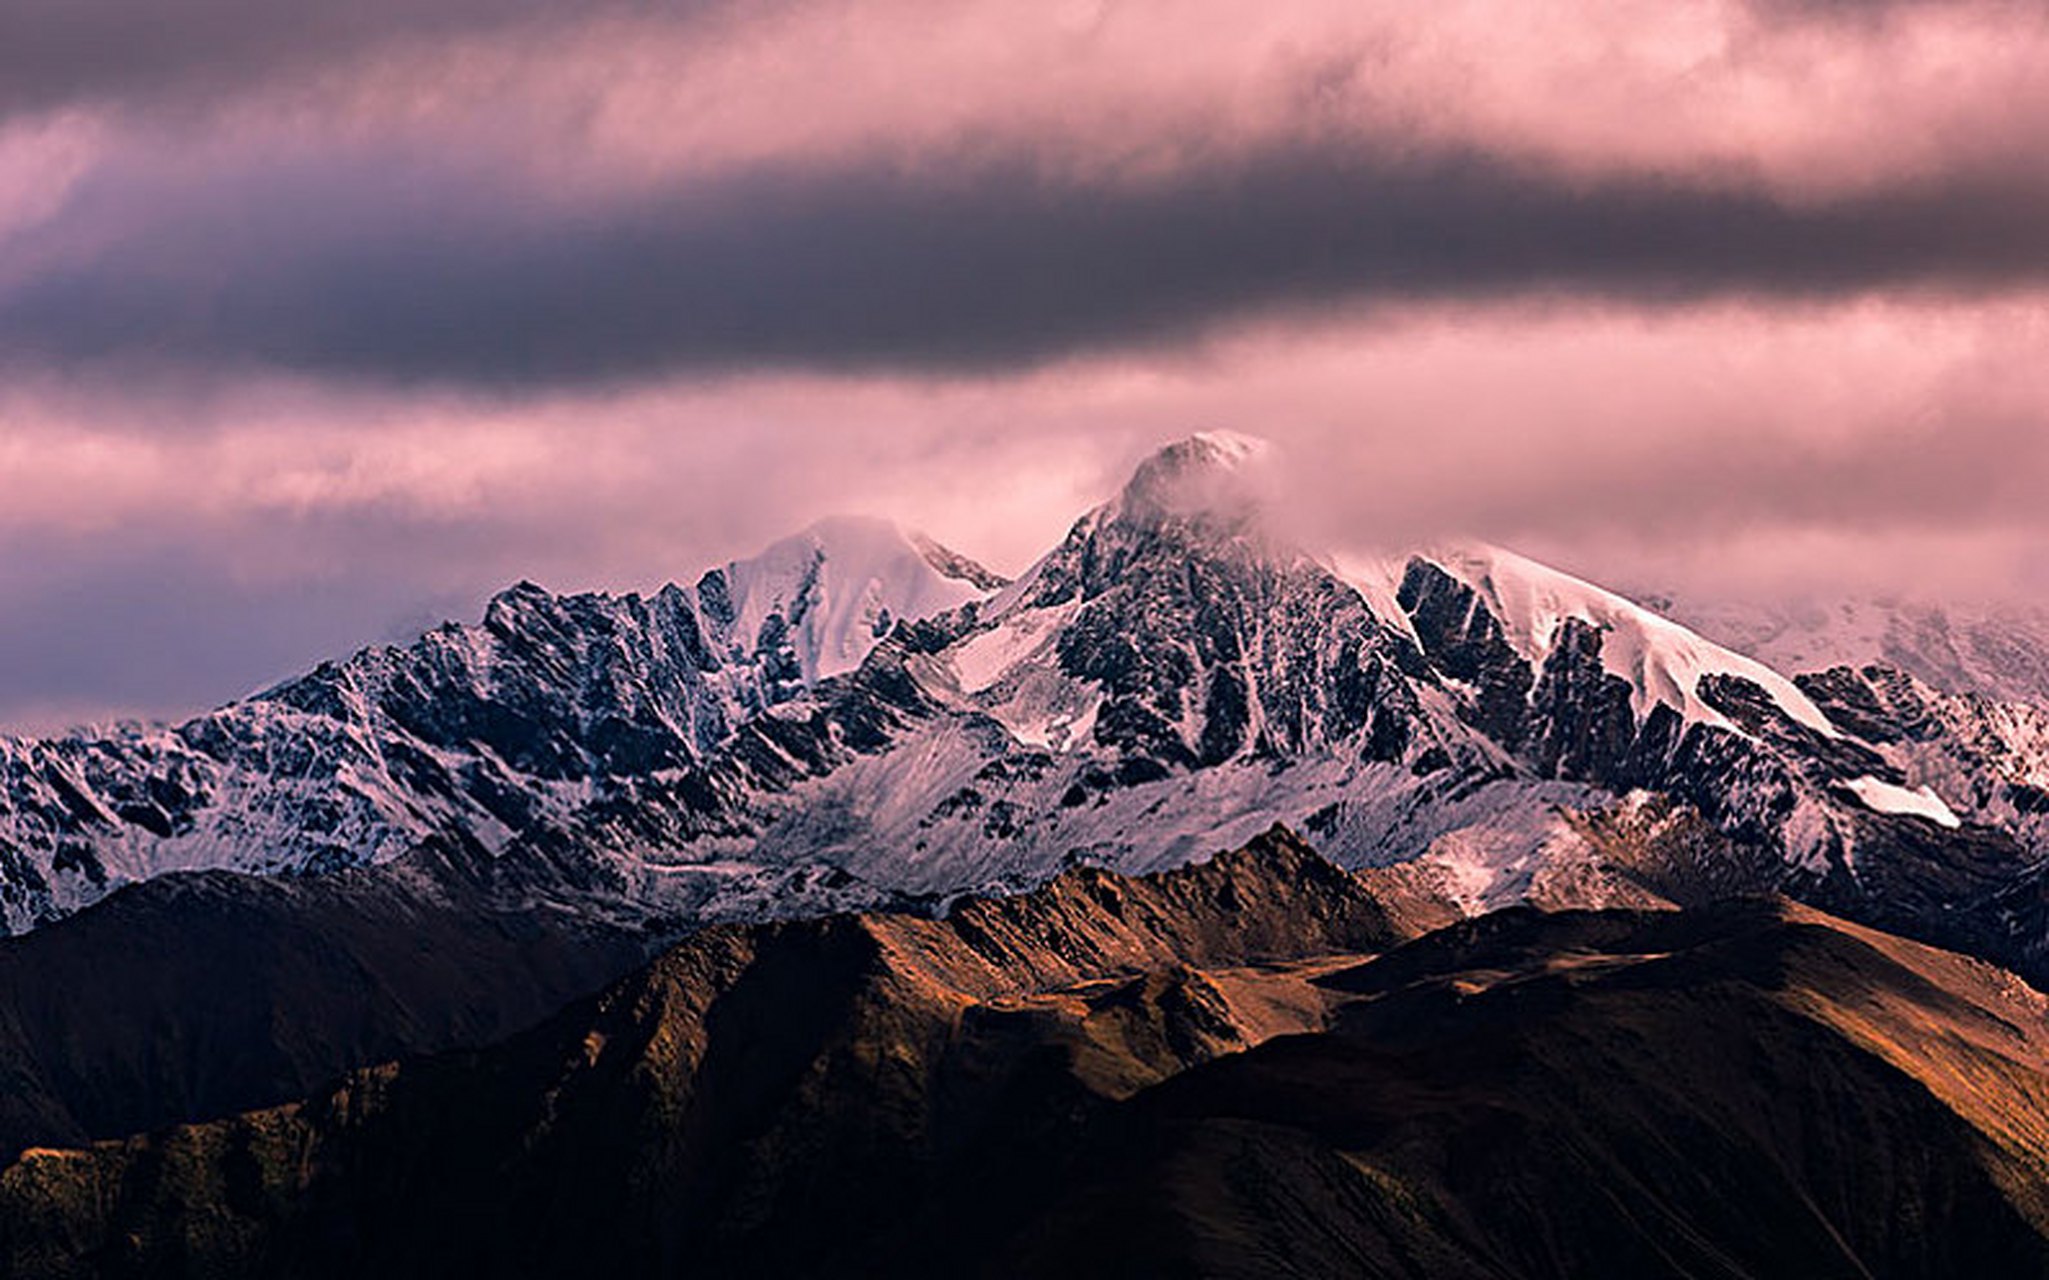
(840, 585)
(1219, 476)
(1231, 448)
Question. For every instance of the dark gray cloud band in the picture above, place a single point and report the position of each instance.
(407, 270)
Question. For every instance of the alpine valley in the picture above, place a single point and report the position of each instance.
(922, 859)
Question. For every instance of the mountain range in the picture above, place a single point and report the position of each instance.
(858, 717)
(426, 848)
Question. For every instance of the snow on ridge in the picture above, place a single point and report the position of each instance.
(1378, 578)
(952, 564)
(1662, 660)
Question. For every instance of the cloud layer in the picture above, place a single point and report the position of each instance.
(404, 272)
(317, 323)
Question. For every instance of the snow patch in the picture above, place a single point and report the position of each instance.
(1378, 578)
(982, 660)
(1503, 858)
(1885, 797)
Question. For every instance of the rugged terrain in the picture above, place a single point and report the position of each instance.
(1234, 1069)
(568, 732)
(424, 847)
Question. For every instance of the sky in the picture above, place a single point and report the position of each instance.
(320, 322)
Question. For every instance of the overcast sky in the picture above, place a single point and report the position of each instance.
(318, 322)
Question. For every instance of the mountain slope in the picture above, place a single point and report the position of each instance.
(205, 993)
(1751, 1091)
(1208, 1071)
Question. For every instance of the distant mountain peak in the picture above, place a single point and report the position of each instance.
(2000, 650)
(1222, 478)
(839, 586)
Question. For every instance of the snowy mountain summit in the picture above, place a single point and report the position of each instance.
(1663, 662)
(861, 717)
(1220, 478)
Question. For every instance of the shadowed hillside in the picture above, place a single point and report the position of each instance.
(1219, 1070)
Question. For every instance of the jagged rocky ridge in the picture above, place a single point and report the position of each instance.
(856, 719)
(1232, 1069)
(571, 732)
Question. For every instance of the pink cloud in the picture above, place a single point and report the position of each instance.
(1141, 87)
